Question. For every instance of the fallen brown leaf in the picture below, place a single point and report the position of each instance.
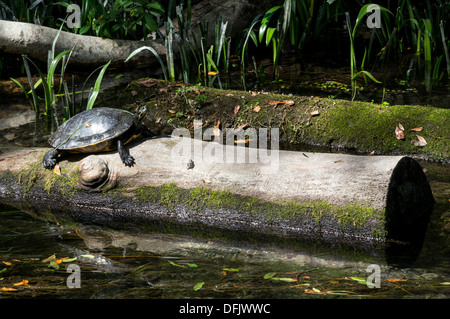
(399, 134)
(416, 129)
(147, 83)
(57, 170)
(419, 142)
(7, 289)
(172, 111)
(257, 109)
(236, 109)
(314, 113)
(396, 280)
(372, 153)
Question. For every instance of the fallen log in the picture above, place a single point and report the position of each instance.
(376, 205)
(35, 40)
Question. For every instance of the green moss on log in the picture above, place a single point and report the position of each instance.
(200, 198)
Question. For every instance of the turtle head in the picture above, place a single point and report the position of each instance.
(140, 115)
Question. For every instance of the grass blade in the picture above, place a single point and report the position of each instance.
(96, 89)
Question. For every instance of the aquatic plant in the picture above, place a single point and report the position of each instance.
(52, 92)
(354, 72)
(199, 61)
(32, 11)
(118, 18)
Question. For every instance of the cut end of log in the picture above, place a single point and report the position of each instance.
(409, 205)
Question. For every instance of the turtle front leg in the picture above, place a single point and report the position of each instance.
(50, 158)
(125, 156)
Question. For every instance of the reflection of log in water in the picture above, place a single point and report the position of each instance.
(374, 204)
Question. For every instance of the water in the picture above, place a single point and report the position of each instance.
(118, 264)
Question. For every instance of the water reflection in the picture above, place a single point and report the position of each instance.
(119, 264)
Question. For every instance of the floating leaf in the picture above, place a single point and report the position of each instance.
(21, 283)
(399, 134)
(269, 275)
(88, 256)
(68, 260)
(315, 291)
(360, 280)
(198, 285)
(416, 129)
(175, 264)
(52, 257)
(396, 280)
(231, 269)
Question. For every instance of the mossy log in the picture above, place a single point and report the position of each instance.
(311, 121)
(373, 204)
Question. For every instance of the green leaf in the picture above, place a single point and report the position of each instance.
(154, 53)
(269, 35)
(175, 264)
(53, 264)
(269, 275)
(198, 285)
(96, 89)
(69, 260)
(88, 256)
(85, 29)
(265, 21)
(230, 269)
(193, 265)
(360, 280)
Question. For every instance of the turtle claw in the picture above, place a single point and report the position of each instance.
(50, 159)
(128, 160)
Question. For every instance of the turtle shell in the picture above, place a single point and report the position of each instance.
(91, 131)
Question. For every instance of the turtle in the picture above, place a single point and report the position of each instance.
(97, 130)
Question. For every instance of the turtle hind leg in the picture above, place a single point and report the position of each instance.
(50, 158)
(125, 156)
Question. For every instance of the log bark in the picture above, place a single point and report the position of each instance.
(372, 204)
(35, 41)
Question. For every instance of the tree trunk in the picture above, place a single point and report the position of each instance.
(372, 204)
